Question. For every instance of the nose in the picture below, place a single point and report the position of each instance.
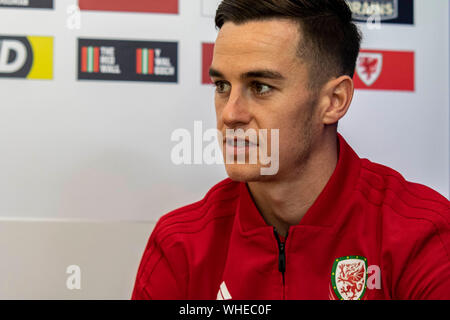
(236, 113)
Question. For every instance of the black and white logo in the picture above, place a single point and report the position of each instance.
(389, 11)
(37, 4)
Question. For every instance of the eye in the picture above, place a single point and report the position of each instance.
(222, 86)
(261, 88)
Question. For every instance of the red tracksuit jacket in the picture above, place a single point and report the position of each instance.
(369, 235)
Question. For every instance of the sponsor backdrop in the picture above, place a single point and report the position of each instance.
(93, 90)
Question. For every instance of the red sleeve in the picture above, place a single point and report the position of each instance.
(160, 277)
(426, 275)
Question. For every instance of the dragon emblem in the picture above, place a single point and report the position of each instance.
(369, 66)
(349, 277)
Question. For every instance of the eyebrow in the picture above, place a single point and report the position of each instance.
(264, 74)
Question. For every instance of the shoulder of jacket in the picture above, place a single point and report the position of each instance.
(219, 202)
(411, 205)
(383, 186)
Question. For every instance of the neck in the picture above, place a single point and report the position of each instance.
(283, 202)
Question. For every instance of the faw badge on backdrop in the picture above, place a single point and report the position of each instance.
(26, 57)
(385, 70)
(388, 11)
(36, 4)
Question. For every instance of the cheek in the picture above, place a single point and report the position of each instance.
(288, 125)
(295, 131)
(289, 141)
(282, 134)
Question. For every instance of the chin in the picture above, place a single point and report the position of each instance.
(245, 172)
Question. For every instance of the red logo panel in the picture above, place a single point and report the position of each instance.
(207, 53)
(385, 70)
(155, 6)
(375, 70)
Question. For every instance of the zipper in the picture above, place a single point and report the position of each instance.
(281, 255)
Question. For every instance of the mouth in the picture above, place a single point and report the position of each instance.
(235, 147)
(235, 142)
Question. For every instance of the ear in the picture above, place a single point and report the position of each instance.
(337, 94)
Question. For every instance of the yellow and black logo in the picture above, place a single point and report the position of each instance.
(26, 57)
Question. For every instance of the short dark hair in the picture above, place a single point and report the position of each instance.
(330, 40)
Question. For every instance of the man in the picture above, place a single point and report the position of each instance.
(327, 224)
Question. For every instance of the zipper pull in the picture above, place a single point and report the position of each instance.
(282, 254)
(282, 259)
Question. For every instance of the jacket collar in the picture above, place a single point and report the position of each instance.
(325, 210)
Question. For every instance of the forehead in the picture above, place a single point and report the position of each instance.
(257, 44)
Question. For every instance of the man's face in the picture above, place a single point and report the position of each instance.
(261, 83)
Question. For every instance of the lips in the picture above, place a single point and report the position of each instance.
(239, 142)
